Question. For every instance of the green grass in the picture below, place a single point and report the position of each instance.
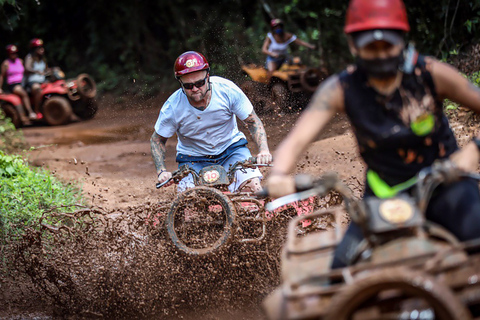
(26, 193)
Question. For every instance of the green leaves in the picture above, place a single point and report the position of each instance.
(26, 193)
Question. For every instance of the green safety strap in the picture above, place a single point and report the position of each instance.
(382, 190)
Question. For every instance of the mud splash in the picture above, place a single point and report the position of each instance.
(114, 265)
(121, 264)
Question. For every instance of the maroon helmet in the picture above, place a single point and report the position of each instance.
(190, 61)
(276, 22)
(35, 43)
(11, 48)
(365, 15)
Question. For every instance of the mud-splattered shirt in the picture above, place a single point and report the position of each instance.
(400, 134)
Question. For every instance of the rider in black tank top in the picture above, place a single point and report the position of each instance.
(393, 99)
(383, 125)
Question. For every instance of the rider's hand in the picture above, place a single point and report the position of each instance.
(164, 176)
(279, 185)
(1, 91)
(264, 157)
(467, 158)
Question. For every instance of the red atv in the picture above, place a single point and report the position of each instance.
(63, 100)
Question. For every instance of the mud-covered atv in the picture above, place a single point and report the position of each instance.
(205, 219)
(63, 100)
(291, 85)
(405, 268)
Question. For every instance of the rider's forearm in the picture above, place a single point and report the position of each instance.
(255, 126)
(157, 145)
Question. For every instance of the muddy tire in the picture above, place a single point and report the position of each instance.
(12, 113)
(57, 111)
(280, 96)
(310, 79)
(394, 292)
(87, 89)
(200, 221)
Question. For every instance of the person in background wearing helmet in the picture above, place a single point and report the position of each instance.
(203, 115)
(276, 45)
(12, 72)
(395, 109)
(36, 68)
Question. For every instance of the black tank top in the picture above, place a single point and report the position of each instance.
(383, 125)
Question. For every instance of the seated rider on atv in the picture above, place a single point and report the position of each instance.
(203, 114)
(36, 67)
(276, 45)
(13, 72)
(394, 103)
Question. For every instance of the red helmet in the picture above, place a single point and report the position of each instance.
(275, 22)
(188, 62)
(11, 48)
(376, 14)
(35, 43)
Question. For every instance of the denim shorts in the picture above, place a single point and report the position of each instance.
(278, 61)
(238, 151)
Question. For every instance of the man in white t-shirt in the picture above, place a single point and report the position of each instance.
(203, 115)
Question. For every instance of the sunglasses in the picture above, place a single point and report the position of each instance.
(198, 84)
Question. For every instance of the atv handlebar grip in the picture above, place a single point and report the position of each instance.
(262, 193)
(161, 184)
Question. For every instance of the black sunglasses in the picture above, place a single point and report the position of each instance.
(198, 84)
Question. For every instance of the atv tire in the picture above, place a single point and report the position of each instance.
(200, 221)
(87, 89)
(57, 111)
(12, 113)
(391, 290)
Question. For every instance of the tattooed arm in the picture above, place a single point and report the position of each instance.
(157, 145)
(326, 102)
(255, 126)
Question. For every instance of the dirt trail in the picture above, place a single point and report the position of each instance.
(125, 268)
(110, 154)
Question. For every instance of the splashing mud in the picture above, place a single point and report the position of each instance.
(121, 264)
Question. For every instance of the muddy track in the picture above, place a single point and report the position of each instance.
(116, 261)
(123, 265)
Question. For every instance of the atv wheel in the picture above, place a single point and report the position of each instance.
(12, 113)
(57, 111)
(280, 96)
(397, 293)
(86, 86)
(310, 79)
(200, 221)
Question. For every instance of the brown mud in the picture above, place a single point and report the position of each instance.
(115, 260)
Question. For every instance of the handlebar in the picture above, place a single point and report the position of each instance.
(426, 181)
(184, 170)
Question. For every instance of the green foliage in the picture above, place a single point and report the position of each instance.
(11, 140)
(126, 40)
(26, 193)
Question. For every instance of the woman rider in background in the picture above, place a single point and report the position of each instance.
(276, 45)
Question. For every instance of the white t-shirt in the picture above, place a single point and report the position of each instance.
(207, 132)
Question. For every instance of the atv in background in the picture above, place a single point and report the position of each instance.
(290, 86)
(63, 101)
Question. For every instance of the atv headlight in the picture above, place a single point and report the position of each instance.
(396, 211)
